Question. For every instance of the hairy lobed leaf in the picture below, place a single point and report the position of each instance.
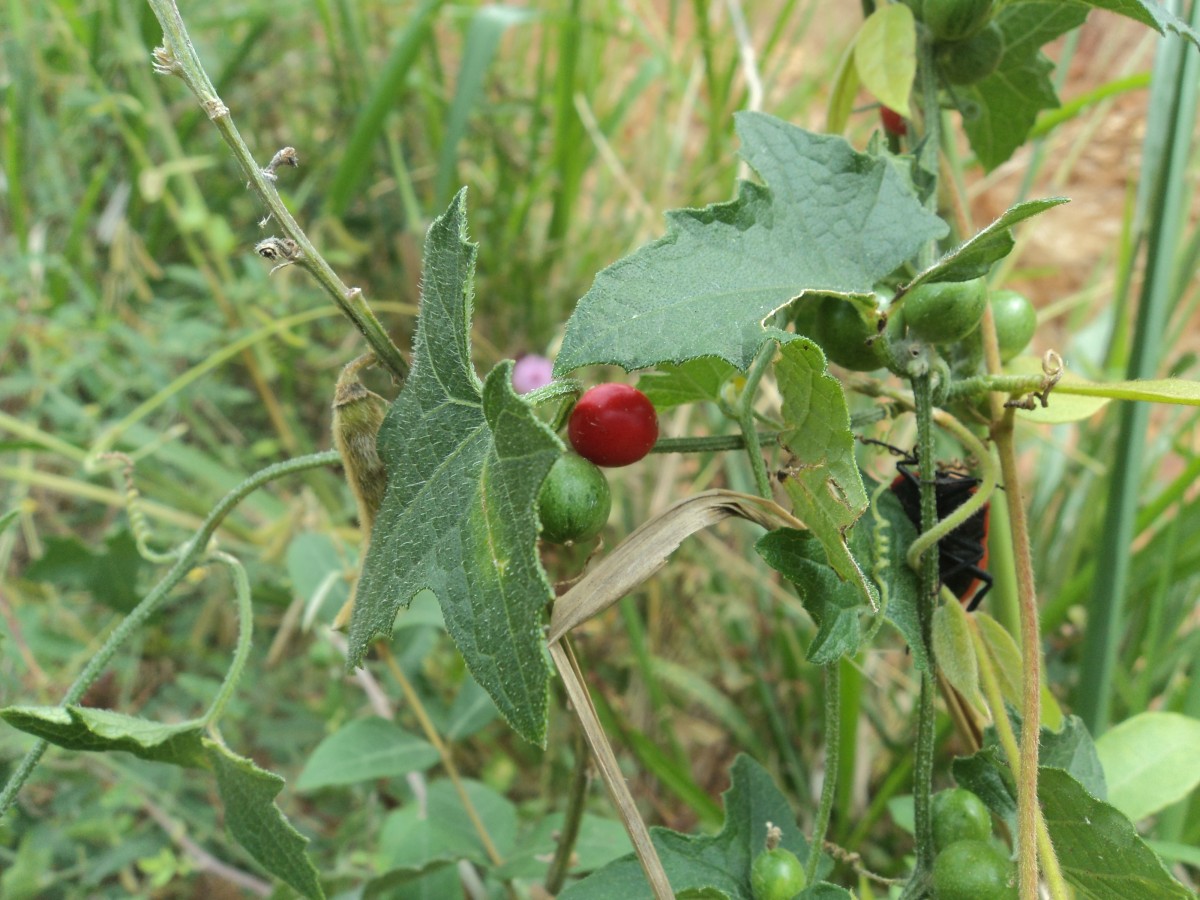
(464, 462)
(247, 792)
(829, 220)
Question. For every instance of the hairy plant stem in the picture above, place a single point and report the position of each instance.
(190, 554)
(1028, 812)
(926, 601)
(241, 592)
(711, 443)
(833, 710)
(923, 402)
(1031, 650)
(745, 414)
(991, 688)
(560, 865)
(185, 62)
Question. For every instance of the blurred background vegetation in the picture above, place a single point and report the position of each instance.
(136, 317)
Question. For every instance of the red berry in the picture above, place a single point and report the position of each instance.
(893, 122)
(613, 425)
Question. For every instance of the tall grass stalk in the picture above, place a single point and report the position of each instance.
(1174, 96)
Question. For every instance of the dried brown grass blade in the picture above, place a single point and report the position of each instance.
(647, 549)
(610, 772)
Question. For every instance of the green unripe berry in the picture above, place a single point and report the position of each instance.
(958, 815)
(776, 875)
(973, 59)
(843, 334)
(953, 20)
(574, 500)
(941, 312)
(973, 870)
(1016, 322)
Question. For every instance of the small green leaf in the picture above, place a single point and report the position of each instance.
(999, 111)
(834, 604)
(248, 796)
(830, 220)
(1100, 851)
(440, 830)
(985, 774)
(364, 750)
(247, 792)
(1149, 390)
(891, 534)
(465, 461)
(974, 257)
(102, 730)
(844, 92)
(1005, 655)
(955, 652)
(1074, 399)
(1152, 14)
(885, 54)
(704, 865)
(110, 576)
(695, 381)
(1071, 749)
(488, 27)
(1150, 762)
(823, 480)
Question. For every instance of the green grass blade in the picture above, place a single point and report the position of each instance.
(1165, 204)
(487, 27)
(384, 94)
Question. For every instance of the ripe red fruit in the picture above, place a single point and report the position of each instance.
(893, 122)
(613, 425)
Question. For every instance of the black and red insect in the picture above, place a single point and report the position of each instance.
(963, 553)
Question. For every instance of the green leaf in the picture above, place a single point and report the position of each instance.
(316, 572)
(1152, 14)
(999, 111)
(823, 480)
(986, 775)
(955, 652)
(1005, 655)
(831, 220)
(110, 576)
(974, 257)
(248, 795)
(885, 54)
(1150, 762)
(702, 865)
(891, 535)
(471, 711)
(464, 463)
(372, 114)
(439, 829)
(1148, 390)
(600, 841)
(695, 381)
(432, 882)
(364, 750)
(844, 92)
(101, 730)
(247, 792)
(1100, 851)
(487, 28)
(834, 604)
(1071, 749)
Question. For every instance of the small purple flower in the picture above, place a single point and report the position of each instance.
(531, 372)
